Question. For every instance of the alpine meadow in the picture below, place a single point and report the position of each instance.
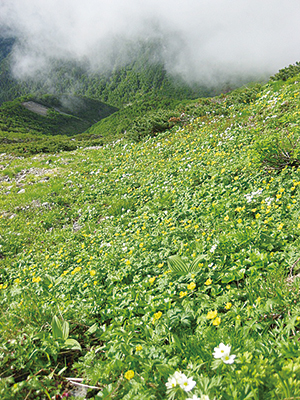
(149, 233)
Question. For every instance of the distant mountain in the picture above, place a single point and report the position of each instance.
(123, 83)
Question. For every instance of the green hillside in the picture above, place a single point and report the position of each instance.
(164, 266)
(28, 124)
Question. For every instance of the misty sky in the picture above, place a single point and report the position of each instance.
(203, 40)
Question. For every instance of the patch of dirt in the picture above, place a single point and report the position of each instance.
(35, 107)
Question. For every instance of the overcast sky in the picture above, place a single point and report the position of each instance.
(202, 39)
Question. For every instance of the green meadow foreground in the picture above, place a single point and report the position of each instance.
(164, 269)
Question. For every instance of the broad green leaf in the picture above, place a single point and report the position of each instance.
(57, 329)
(177, 265)
(72, 344)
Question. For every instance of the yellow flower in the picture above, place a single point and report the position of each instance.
(182, 294)
(258, 300)
(50, 286)
(129, 374)
(228, 287)
(138, 347)
(212, 314)
(160, 265)
(217, 321)
(36, 279)
(77, 269)
(279, 227)
(226, 218)
(17, 281)
(191, 286)
(92, 272)
(228, 306)
(127, 262)
(208, 282)
(151, 280)
(157, 315)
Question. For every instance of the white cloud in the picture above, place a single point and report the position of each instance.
(202, 39)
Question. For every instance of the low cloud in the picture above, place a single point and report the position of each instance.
(207, 41)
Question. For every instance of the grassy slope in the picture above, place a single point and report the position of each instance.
(89, 240)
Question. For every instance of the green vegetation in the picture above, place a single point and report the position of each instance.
(28, 124)
(122, 83)
(162, 268)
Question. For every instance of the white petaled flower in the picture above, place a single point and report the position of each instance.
(213, 248)
(269, 200)
(172, 382)
(180, 379)
(187, 384)
(228, 359)
(179, 376)
(221, 351)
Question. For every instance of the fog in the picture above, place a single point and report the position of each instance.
(207, 41)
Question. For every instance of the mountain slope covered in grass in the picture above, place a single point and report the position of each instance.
(133, 266)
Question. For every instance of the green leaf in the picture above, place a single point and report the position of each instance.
(92, 329)
(178, 266)
(65, 330)
(195, 264)
(72, 344)
(57, 329)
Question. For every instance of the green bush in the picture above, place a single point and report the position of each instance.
(288, 72)
(276, 151)
(152, 124)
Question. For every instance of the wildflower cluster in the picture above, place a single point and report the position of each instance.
(181, 380)
(223, 352)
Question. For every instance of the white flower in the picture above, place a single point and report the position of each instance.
(269, 200)
(180, 379)
(213, 248)
(228, 359)
(172, 382)
(187, 384)
(221, 351)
